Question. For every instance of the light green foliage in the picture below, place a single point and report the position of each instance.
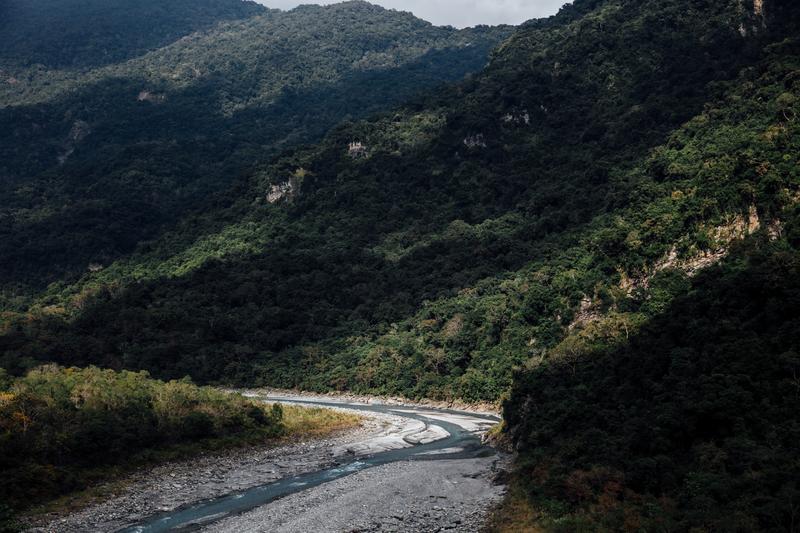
(57, 425)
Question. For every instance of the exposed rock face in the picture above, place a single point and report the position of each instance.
(154, 98)
(589, 312)
(775, 230)
(753, 222)
(753, 21)
(79, 131)
(736, 228)
(280, 191)
(453, 326)
(287, 189)
(475, 141)
(357, 150)
(722, 236)
(518, 117)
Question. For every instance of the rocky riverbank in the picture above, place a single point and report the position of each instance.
(402, 497)
(349, 397)
(435, 492)
(167, 487)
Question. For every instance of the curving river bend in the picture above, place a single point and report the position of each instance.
(431, 435)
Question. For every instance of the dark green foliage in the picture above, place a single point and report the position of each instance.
(87, 33)
(431, 268)
(93, 162)
(8, 522)
(552, 218)
(59, 428)
(691, 424)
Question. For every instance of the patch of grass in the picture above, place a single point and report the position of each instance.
(316, 421)
(515, 514)
(498, 437)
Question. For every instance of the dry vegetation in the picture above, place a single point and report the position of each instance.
(66, 431)
(316, 421)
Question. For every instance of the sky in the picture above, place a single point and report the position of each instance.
(458, 13)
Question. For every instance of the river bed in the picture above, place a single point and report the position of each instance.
(262, 490)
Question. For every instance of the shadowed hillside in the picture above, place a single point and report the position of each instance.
(95, 161)
(599, 227)
(89, 33)
(479, 224)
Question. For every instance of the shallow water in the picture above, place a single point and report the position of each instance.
(459, 444)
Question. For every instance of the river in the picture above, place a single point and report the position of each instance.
(446, 435)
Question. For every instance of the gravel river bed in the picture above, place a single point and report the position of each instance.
(407, 468)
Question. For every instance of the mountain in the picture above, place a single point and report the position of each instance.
(96, 160)
(599, 229)
(436, 263)
(90, 33)
(688, 423)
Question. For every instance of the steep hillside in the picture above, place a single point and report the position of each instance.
(479, 227)
(94, 161)
(86, 33)
(689, 423)
(601, 228)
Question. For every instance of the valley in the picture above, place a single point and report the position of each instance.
(409, 468)
(588, 224)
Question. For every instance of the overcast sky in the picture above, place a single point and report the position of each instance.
(459, 13)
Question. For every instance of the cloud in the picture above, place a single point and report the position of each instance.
(459, 13)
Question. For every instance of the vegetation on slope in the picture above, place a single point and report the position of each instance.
(556, 214)
(484, 225)
(64, 429)
(86, 33)
(92, 162)
(691, 424)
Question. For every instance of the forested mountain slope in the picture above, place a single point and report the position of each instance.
(479, 227)
(601, 227)
(95, 160)
(85, 33)
(691, 423)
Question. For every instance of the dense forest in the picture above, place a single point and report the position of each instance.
(478, 226)
(689, 424)
(95, 160)
(599, 229)
(60, 426)
(67, 429)
(86, 33)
